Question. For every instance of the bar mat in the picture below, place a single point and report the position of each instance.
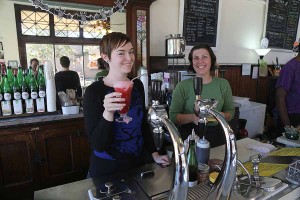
(265, 169)
(286, 152)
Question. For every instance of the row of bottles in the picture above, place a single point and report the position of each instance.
(21, 92)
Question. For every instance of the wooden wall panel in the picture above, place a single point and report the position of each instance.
(244, 86)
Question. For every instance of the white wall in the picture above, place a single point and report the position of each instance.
(8, 31)
(240, 31)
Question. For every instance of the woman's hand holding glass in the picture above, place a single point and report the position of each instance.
(112, 102)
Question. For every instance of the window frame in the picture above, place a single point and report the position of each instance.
(52, 39)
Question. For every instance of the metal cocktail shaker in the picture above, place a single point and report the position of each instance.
(202, 151)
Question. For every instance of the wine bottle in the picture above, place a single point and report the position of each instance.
(1, 92)
(192, 162)
(41, 84)
(33, 88)
(17, 101)
(24, 88)
(40, 102)
(20, 76)
(9, 73)
(6, 104)
(16, 88)
(29, 74)
(6, 89)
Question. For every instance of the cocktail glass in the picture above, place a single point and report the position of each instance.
(125, 88)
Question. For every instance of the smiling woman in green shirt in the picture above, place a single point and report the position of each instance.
(201, 58)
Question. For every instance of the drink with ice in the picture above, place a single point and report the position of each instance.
(125, 88)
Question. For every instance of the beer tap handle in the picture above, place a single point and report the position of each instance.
(197, 83)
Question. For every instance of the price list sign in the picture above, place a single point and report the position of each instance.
(200, 22)
(282, 23)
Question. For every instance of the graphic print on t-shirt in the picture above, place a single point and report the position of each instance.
(128, 137)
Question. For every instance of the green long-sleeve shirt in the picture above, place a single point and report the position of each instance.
(183, 97)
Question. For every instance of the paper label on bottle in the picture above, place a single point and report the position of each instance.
(29, 106)
(42, 94)
(17, 104)
(34, 95)
(40, 105)
(7, 96)
(17, 95)
(6, 108)
(25, 95)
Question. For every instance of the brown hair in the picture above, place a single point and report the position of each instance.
(102, 64)
(210, 51)
(65, 62)
(112, 41)
(34, 59)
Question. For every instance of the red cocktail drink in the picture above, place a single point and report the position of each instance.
(125, 88)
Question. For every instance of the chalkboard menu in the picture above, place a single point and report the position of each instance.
(282, 23)
(200, 22)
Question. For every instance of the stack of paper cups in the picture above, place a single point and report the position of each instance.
(51, 95)
(48, 70)
(144, 80)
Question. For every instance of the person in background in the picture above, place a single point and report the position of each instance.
(116, 146)
(67, 79)
(34, 63)
(202, 60)
(288, 93)
(102, 66)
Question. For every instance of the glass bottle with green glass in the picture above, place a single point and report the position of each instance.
(9, 73)
(20, 76)
(192, 162)
(17, 101)
(6, 103)
(40, 102)
(1, 86)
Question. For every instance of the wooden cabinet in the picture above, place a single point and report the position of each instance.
(40, 156)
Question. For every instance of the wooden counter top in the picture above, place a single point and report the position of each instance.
(23, 121)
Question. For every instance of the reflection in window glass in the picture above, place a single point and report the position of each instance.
(40, 51)
(83, 59)
(91, 54)
(74, 52)
(35, 23)
(66, 27)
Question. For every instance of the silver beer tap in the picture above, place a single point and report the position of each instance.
(204, 108)
(158, 118)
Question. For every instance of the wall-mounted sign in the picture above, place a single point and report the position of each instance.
(282, 23)
(200, 22)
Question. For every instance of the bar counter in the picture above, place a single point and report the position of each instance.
(41, 151)
(15, 120)
(79, 190)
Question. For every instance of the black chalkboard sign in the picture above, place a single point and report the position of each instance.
(200, 22)
(282, 23)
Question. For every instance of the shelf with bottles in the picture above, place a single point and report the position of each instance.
(22, 94)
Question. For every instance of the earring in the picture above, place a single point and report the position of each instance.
(107, 61)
